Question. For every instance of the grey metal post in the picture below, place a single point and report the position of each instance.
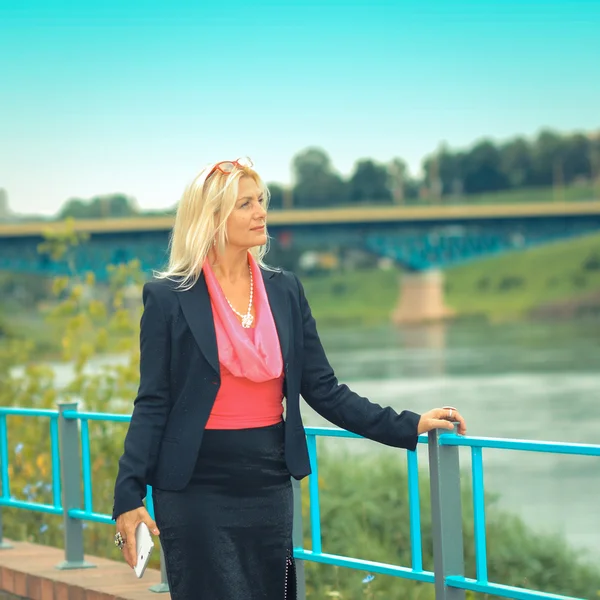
(297, 539)
(163, 586)
(5, 481)
(446, 516)
(3, 545)
(71, 475)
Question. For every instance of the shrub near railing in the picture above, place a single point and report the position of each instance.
(365, 513)
(91, 320)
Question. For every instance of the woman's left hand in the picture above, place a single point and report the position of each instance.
(442, 418)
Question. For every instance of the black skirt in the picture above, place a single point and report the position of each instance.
(228, 534)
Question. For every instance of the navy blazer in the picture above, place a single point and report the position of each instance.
(179, 380)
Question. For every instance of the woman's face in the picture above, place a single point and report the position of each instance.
(246, 224)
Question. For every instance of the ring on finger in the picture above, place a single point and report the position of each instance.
(119, 540)
(451, 409)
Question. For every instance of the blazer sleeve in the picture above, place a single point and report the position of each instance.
(151, 407)
(340, 405)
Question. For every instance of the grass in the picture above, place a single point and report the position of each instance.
(504, 287)
(514, 284)
(362, 297)
(574, 193)
(527, 195)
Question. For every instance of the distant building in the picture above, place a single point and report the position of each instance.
(4, 208)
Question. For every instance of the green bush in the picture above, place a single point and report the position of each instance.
(364, 514)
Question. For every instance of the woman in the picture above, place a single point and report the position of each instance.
(224, 339)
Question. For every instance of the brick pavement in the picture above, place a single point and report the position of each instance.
(29, 571)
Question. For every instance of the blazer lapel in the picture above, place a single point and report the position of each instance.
(279, 303)
(197, 310)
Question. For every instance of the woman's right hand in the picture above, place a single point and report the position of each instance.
(127, 524)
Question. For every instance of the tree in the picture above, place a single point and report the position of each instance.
(317, 185)
(444, 172)
(576, 155)
(483, 169)
(369, 183)
(277, 196)
(115, 206)
(548, 157)
(516, 162)
(399, 180)
(75, 209)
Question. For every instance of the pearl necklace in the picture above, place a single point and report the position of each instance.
(247, 319)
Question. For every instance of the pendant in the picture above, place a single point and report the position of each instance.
(247, 321)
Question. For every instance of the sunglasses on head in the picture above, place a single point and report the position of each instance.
(227, 166)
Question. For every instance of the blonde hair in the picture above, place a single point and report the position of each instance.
(201, 220)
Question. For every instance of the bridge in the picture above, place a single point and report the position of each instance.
(35, 572)
(421, 240)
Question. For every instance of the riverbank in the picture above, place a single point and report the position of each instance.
(558, 281)
(530, 283)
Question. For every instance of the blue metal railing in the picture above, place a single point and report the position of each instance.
(481, 583)
(316, 554)
(69, 429)
(6, 499)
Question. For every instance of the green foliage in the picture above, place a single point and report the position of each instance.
(368, 296)
(513, 285)
(550, 167)
(510, 286)
(551, 159)
(365, 514)
(99, 207)
(90, 320)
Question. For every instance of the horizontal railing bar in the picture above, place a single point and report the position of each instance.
(337, 432)
(35, 506)
(506, 591)
(96, 416)
(331, 432)
(28, 412)
(364, 565)
(445, 439)
(84, 515)
(450, 439)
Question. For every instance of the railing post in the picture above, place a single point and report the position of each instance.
(446, 516)
(3, 545)
(297, 539)
(4, 475)
(71, 474)
(163, 586)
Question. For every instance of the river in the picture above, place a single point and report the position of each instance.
(536, 381)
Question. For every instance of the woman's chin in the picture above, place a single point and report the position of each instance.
(260, 240)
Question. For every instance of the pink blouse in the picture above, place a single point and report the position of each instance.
(251, 365)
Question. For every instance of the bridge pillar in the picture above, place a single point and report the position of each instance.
(421, 298)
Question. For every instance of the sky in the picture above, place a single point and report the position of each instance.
(135, 97)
